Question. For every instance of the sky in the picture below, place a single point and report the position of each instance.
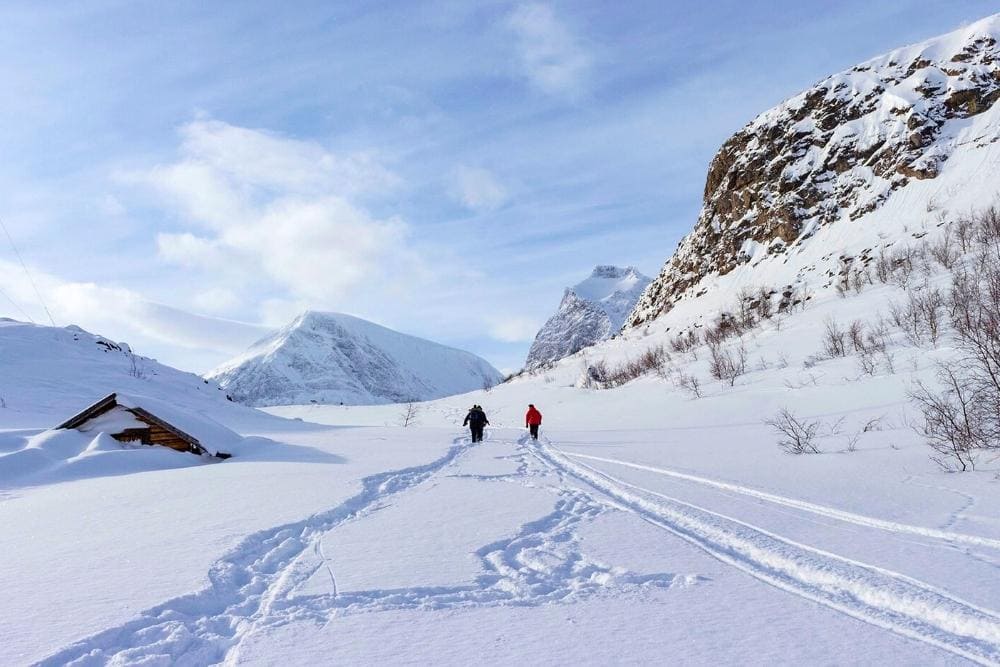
(187, 176)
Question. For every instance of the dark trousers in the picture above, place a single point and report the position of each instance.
(477, 432)
(533, 428)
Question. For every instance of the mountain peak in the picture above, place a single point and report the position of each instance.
(590, 311)
(609, 271)
(329, 357)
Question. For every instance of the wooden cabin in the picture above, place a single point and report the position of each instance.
(130, 423)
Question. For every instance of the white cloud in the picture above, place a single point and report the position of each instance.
(279, 212)
(550, 54)
(477, 189)
(190, 341)
(514, 329)
(217, 300)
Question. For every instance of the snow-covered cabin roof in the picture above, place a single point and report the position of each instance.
(197, 431)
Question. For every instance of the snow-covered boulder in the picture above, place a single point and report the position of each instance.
(335, 358)
(590, 312)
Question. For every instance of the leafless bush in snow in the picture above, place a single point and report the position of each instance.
(834, 338)
(603, 376)
(684, 341)
(962, 419)
(798, 435)
(408, 416)
(727, 363)
(690, 384)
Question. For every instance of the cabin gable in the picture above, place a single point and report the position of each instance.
(132, 424)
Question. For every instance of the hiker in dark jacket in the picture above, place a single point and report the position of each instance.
(476, 421)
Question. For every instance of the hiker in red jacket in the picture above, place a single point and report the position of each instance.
(532, 420)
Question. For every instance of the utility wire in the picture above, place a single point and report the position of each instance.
(26, 272)
(16, 305)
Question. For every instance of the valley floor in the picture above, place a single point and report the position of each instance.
(410, 546)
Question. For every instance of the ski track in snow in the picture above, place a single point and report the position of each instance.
(881, 597)
(822, 510)
(255, 585)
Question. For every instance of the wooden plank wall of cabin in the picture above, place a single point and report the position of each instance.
(161, 436)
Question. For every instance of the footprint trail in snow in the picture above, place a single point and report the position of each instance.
(255, 585)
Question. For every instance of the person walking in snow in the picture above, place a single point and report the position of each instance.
(532, 420)
(476, 421)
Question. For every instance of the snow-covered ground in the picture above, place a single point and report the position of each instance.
(654, 522)
(647, 525)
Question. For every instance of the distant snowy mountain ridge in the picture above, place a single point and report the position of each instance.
(590, 312)
(335, 358)
(913, 128)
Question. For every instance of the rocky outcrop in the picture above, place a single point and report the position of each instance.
(834, 152)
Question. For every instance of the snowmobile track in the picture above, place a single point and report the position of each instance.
(821, 510)
(874, 595)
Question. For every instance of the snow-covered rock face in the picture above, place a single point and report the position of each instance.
(589, 312)
(335, 358)
(834, 153)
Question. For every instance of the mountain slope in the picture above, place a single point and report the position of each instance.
(47, 374)
(589, 312)
(841, 151)
(336, 358)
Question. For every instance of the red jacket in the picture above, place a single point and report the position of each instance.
(533, 418)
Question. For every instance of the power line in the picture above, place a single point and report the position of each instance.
(16, 305)
(26, 272)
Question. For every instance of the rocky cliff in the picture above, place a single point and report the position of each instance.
(835, 152)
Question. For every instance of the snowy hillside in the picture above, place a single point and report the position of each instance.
(858, 155)
(47, 374)
(335, 358)
(589, 312)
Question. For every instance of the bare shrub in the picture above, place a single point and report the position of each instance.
(921, 316)
(727, 363)
(856, 334)
(860, 278)
(962, 419)
(873, 424)
(408, 416)
(883, 266)
(867, 363)
(603, 376)
(964, 229)
(690, 384)
(834, 338)
(852, 441)
(954, 424)
(945, 250)
(683, 342)
(798, 435)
